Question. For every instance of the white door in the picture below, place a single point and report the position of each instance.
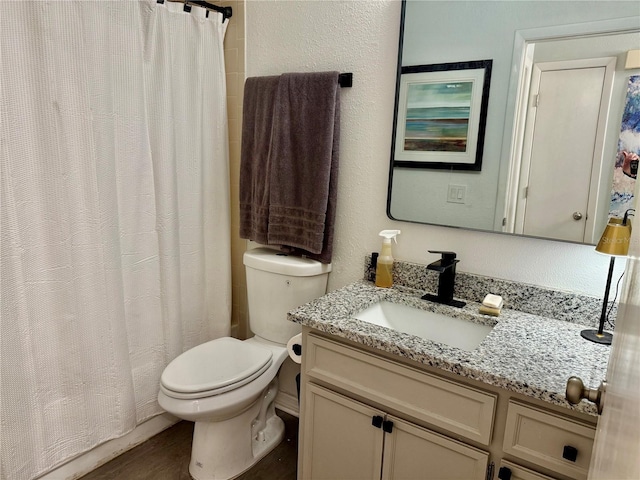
(562, 155)
(616, 451)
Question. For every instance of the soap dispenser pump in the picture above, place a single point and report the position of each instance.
(384, 269)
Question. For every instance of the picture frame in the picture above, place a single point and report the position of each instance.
(441, 115)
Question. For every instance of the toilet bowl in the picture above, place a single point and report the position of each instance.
(223, 446)
(228, 386)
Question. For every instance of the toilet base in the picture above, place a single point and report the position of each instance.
(227, 449)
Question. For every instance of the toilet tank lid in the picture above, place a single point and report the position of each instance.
(278, 262)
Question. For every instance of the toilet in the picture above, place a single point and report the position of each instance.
(228, 386)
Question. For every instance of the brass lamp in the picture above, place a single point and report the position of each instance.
(614, 242)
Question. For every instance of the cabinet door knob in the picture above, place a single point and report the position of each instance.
(504, 473)
(376, 421)
(577, 215)
(576, 391)
(570, 453)
(387, 426)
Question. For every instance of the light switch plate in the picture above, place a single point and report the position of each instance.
(457, 194)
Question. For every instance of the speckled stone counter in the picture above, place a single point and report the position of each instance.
(544, 302)
(524, 353)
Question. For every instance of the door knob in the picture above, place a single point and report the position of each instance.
(576, 391)
(577, 215)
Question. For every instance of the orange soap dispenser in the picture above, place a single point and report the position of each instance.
(384, 269)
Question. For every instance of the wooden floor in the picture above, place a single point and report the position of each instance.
(166, 457)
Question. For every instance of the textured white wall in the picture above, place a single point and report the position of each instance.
(362, 37)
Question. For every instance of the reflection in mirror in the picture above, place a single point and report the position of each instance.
(558, 92)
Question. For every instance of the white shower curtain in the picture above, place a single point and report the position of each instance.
(115, 216)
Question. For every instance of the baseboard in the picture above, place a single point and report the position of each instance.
(100, 455)
(287, 403)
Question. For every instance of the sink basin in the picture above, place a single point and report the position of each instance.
(440, 328)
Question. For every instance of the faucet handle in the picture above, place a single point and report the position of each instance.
(445, 255)
(447, 260)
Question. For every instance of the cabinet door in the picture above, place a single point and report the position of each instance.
(412, 452)
(339, 439)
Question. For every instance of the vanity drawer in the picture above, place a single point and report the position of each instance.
(544, 438)
(462, 410)
(511, 471)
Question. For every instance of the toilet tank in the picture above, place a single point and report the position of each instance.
(277, 283)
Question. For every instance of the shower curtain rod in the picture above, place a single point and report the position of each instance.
(226, 12)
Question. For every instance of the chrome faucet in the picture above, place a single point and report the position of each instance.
(446, 267)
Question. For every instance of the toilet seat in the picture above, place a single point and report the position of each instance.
(214, 367)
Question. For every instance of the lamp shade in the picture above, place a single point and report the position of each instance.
(615, 238)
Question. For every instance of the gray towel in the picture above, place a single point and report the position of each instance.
(289, 162)
(304, 163)
(257, 120)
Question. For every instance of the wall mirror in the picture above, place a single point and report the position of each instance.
(559, 81)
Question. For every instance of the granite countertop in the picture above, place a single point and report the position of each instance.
(524, 353)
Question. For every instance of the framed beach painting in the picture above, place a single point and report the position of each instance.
(442, 112)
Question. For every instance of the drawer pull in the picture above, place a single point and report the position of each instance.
(376, 421)
(387, 426)
(504, 473)
(570, 453)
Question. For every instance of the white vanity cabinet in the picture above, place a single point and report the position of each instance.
(368, 416)
(347, 439)
(343, 437)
